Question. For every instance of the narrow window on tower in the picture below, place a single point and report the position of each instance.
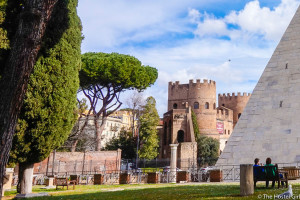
(206, 105)
(175, 106)
(196, 105)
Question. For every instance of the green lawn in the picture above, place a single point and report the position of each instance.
(160, 191)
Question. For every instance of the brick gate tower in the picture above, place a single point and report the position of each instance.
(237, 103)
(201, 96)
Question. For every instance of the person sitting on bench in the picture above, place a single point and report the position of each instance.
(257, 172)
(270, 172)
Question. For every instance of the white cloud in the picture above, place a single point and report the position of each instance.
(252, 21)
(262, 20)
(211, 26)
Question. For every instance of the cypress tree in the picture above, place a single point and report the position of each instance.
(195, 125)
(47, 115)
(148, 131)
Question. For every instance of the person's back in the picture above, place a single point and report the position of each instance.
(270, 171)
(256, 171)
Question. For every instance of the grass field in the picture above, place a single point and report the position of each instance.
(159, 191)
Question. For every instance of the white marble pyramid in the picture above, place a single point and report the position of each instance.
(270, 123)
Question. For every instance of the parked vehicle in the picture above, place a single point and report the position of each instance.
(138, 170)
(205, 172)
(167, 169)
(127, 166)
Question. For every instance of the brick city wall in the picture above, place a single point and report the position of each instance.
(78, 162)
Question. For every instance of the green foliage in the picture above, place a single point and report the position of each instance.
(4, 43)
(148, 131)
(9, 11)
(126, 142)
(126, 109)
(104, 76)
(208, 150)
(115, 70)
(48, 113)
(75, 133)
(195, 125)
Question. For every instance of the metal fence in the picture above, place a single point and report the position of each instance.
(231, 173)
(85, 171)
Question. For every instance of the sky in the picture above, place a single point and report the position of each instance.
(229, 42)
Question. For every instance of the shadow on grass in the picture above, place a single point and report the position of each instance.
(179, 192)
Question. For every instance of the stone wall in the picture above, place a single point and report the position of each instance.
(225, 118)
(187, 155)
(79, 162)
(176, 122)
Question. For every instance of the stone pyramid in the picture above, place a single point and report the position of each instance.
(270, 123)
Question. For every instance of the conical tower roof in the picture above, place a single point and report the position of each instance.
(270, 123)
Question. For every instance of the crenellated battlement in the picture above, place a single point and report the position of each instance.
(177, 85)
(203, 81)
(191, 83)
(236, 102)
(224, 114)
(239, 94)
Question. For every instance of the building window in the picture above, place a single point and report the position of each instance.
(214, 106)
(196, 105)
(225, 131)
(228, 132)
(239, 115)
(206, 105)
(175, 106)
(223, 104)
(180, 136)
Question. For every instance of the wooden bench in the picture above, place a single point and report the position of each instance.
(293, 172)
(64, 182)
(265, 173)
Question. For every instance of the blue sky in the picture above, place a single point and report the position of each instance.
(191, 39)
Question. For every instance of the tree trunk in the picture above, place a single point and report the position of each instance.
(25, 178)
(24, 49)
(133, 128)
(74, 144)
(99, 130)
(246, 180)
